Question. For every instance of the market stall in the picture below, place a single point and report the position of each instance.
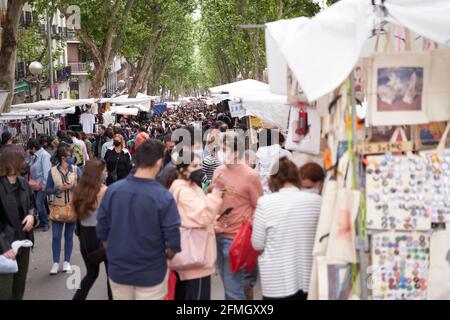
(385, 213)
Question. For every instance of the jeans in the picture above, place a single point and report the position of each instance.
(57, 230)
(41, 208)
(12, 286)
(233, 282)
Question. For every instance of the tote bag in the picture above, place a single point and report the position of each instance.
(439, 273)
(194, 242)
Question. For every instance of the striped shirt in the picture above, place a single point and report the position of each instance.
(210, 164)
(284, 230)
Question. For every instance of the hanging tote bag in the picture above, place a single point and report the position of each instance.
(194, 243)
(439, 273)
(242, 253)
(439, 193)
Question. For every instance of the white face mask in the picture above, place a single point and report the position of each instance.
(221, 156)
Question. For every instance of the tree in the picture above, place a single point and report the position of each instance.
(8, 48)
(230, 53)
(164, 21)
(102, 32)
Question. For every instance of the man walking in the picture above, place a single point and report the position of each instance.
(138, 222)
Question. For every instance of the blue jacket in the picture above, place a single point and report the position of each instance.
(138, 219)
(40, 166)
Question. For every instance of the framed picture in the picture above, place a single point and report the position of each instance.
(429, 135)
(397, 89)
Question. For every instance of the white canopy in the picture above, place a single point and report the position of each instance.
(239, 88)
(270, 108)
(124, 100)
(125, 111)
(324, 52)
(257, 100)
(53, 104)
(277, 34)
(35, 113)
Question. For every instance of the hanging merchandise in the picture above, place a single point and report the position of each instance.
(437, 99)
(439, 273)
(342, 243)
(397, 87)
(304, 130)
(398, 192)
(236, 109)
(294, 91)
(400, 264)
(437, 163)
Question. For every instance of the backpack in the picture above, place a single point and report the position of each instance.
(78, 154)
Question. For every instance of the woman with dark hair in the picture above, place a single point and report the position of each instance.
(284, 229)
(196, 210)
(7, 139)
(17, 217)
(118, 161)
(87, 197)
(61, 181)
(312, 177)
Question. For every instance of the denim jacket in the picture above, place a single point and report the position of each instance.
(40, 165)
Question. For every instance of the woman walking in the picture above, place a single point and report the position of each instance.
(61, 181)
(197, 211)
(284, 229)
(118, 161)
(87, 197)
(17, 217)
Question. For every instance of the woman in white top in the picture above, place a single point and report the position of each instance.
(283, 231)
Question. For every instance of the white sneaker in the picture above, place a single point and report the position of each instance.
(55, 269)
(67, 268)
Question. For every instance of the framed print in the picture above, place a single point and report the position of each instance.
(398, 85)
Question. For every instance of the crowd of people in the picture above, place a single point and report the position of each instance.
(136, 194)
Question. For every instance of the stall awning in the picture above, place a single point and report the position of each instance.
(21, 87)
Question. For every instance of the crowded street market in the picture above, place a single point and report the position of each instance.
(323, 175)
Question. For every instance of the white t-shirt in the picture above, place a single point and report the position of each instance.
(87, 120)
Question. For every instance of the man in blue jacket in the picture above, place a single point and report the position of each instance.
(138, 222)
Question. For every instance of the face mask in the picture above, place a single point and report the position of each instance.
(117, 143)
(197, 177)
(71, 161)
(221, 156)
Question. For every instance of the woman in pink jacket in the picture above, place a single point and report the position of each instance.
(197, 210)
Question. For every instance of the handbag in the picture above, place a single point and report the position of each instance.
(242, 253)
(62, 213)
(194, 242)
(193, 250)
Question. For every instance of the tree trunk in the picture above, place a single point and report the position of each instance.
(8, 49)
(145, 64)
(98, 80)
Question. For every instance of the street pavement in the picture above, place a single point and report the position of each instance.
(42, 286)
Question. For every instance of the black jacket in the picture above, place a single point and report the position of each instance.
(118, 165)
(10, 222)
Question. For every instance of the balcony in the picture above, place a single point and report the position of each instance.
(79, 68)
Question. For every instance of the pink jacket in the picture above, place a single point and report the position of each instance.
(198, 210)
